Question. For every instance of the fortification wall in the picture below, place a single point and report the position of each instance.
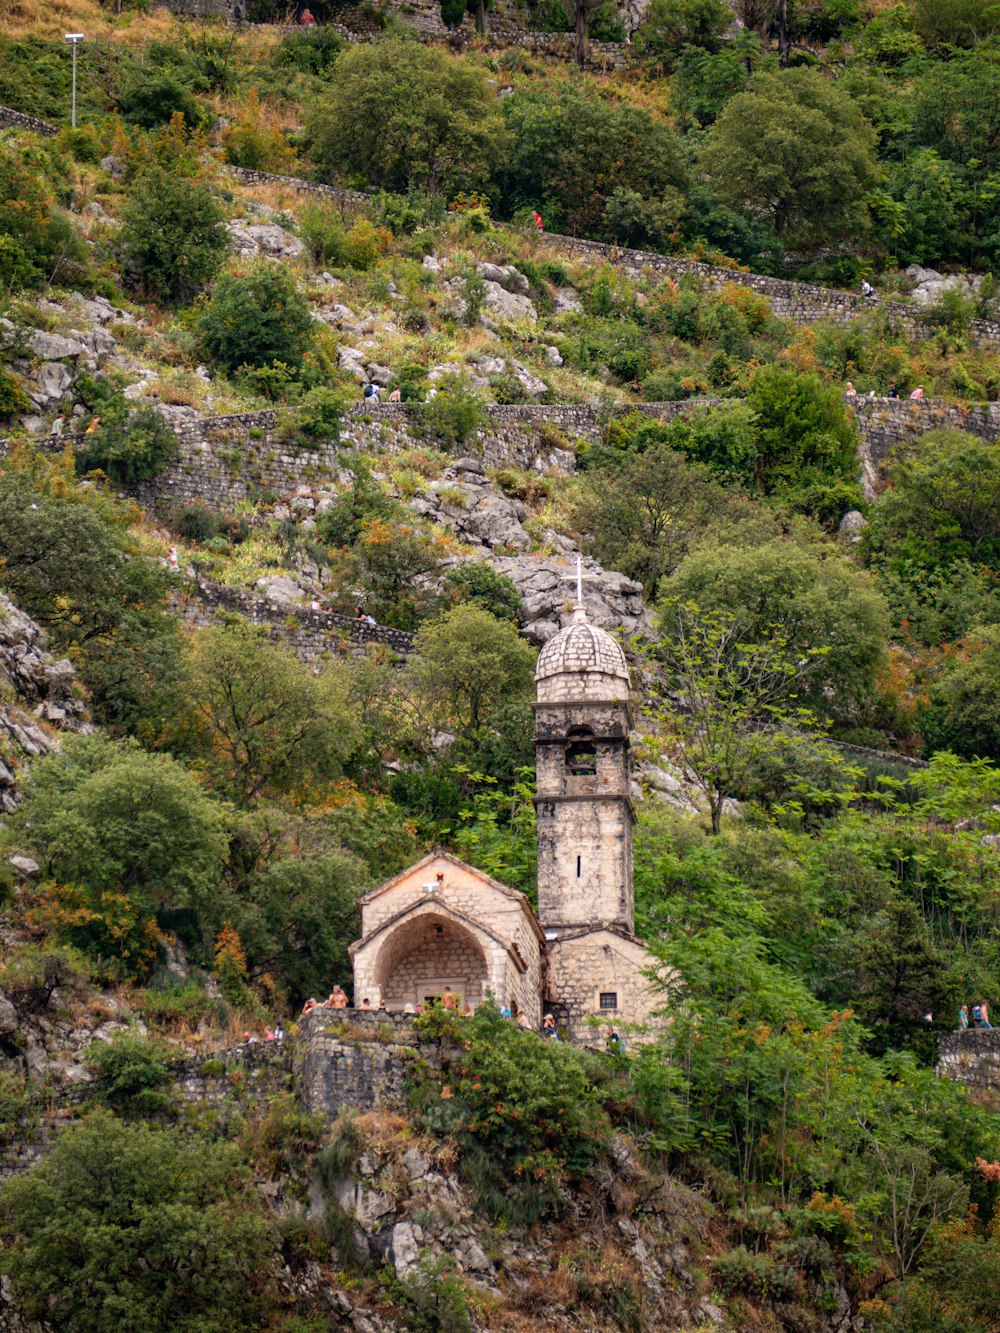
(311, 635)
(885, 422)
(16, 120)
(224, 459)
(799, 301)
(972, 1057)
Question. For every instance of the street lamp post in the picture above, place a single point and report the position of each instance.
(74, 39)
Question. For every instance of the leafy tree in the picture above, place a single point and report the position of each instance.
(466, 664)
(130, 1074)
(124, 835)
(454, 11)
(37, 243)
(300, 916)
(671, 25)
(479, 583)
(644, 511)
(964, 710)
(126, 1226)
(129, 446)
(155, 97)
(795, 150)
(826, 612)
(949, 23)
(258, 320)
(942, 502)
(571, 151)
(70, 561)
(806, 443)
(264, 721)
(172, 235)
(728, 697)
(403, 116)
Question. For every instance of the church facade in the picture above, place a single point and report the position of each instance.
(443, 923)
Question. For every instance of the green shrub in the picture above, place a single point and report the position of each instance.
(434, 1300)
(606, 24)
(755, 1275)
(480, 583)
(258, 321)
(17, 1110)
(524, 1113)
(131, 1074)
(172, 236)
(152, 99)
(453, 416)
(37, 244)
(129, 446)
(196, 522)
(13, 398)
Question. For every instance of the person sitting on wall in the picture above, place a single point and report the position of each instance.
(309, 1006)
(523, 1021)
(918, 392)
(549, 1030)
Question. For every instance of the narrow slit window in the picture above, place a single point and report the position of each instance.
(579, 860)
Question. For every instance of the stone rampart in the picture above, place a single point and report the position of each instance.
(225, 459)
(311, 635)
(17, 120)
(799, 301)
(971, 1057)
(352, 1059)
(886, 422)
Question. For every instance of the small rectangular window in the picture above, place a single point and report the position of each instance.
(609, 999)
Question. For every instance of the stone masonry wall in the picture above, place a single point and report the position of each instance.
(355, 1060)
(226, 459)
(971, 1057)
(311, 635)
(800, 301)
(17, 120)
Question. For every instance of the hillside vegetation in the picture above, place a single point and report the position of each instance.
(192, 811)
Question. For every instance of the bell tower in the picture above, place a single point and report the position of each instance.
(583, 762)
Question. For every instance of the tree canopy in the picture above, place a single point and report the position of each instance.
(797, 151)
(403, 116)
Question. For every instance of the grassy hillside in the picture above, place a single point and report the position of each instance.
(195, 857)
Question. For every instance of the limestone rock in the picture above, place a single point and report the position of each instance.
(506, 276)
(566, 302)
(547, 585)
(930, 285)
(431, 263)
(51, 384)
(281, 589)
(508, 306)
(264, 238)
(54, 347)
(463, 501)
(114, 166)
(553, 357)
(404, 1248)
(853, 524)
(8, 1017)
(529, 382)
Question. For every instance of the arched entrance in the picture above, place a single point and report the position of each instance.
(423, 955)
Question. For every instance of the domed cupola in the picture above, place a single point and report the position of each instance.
(581, 662)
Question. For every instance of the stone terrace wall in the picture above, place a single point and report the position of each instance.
(799, 301)
(357, 1060)
(229, 458)
(885, 422)
(972, 1058)
(311, 635)
(16, 120)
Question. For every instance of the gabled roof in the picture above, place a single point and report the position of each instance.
(438, 855)
(437, 907)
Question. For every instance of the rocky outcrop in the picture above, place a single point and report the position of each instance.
(40, 698)
(547, 585)
(251, 239)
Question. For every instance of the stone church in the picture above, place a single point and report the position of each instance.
(443, 923)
